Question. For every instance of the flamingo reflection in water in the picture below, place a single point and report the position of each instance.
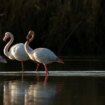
(23, 92)
(40, 93)
(40, 55)
(14, 92)
(45, 79)
(30, 92)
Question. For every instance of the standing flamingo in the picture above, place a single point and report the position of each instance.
(40, 55)
(16, 52)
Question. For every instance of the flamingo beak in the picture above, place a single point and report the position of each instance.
(27, 38)
(4, 39)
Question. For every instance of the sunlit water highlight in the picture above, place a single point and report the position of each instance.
(55, 73)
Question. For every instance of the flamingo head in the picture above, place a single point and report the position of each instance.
(30, 36)
(7, 36)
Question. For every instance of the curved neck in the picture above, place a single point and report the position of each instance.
(26, 46)
(6, 48)
(28, 49)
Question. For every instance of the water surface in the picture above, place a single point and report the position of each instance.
(53, 90)
(74, 83)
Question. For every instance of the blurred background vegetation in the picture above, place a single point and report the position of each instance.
(67, 27)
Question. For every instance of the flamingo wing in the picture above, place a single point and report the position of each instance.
(44, 55)
(19, 52)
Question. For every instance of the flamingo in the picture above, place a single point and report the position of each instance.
(16, 52)
(40, 55)
(2, 59)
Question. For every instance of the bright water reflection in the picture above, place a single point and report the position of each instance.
(53, 91)
(29, 93)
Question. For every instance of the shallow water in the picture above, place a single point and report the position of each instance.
(74, 83)
(52, 90)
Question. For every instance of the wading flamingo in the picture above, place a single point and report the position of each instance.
(40, 55)
(16, 52)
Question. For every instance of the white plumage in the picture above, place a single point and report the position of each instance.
(40, 55)
(16, 52)
(44, 55)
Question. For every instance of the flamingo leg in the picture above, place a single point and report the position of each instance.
(37, 67)
(37, 77)
(45, 66)
(22, 69)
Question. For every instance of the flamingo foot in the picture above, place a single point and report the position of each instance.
(37, 67)
(22, 70)
(46, 68)
(37, 77)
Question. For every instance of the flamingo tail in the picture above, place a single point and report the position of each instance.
(59, 60)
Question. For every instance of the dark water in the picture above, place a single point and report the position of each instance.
(52, 90)
(74, 88)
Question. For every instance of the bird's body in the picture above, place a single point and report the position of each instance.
(18, 52)
(43, 55)
(15, 52)
(40, 55)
